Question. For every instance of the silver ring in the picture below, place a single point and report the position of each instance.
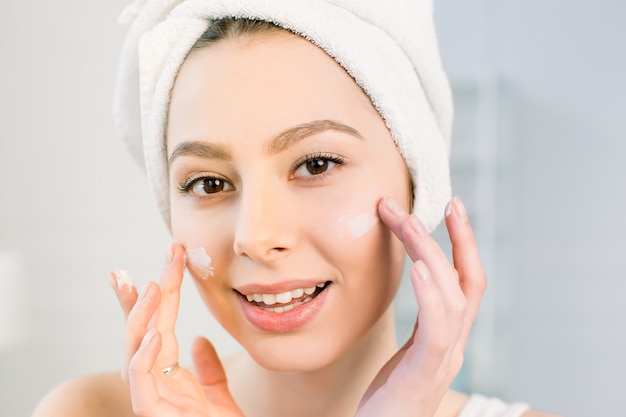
(170, 369)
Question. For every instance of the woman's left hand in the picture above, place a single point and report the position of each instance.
(415, 379)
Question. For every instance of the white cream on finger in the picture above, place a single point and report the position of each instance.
(123, 279)
(200, 262)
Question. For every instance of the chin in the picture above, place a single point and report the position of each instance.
(291, 355)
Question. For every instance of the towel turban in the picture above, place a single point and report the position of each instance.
(389, 48)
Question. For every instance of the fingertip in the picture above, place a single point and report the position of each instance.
(200, 346)
(457, 208)
(393, 206)
(120, 279)
(177, 261)
(149, 337)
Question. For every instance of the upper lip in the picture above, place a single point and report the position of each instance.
(278, 287)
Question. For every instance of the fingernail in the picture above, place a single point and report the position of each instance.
(145, 290)
(120, 279)
(148, 337)
(448, 209)
(394, 206)
(417, 225)
(459, 208)
(170, 254)
(422, 271)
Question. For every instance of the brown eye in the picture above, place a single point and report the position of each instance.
(204, 186)
(317, 166)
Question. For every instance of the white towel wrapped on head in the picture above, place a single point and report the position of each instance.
(388, 47)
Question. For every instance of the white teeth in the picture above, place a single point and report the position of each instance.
(284, 309)
(289, 307)
(269, 299)
(284, 298)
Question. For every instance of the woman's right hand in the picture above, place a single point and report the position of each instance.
(150, 346)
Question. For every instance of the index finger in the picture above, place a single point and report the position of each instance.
(125, 290)
(171, 281)
(472, 279)
(465, 254)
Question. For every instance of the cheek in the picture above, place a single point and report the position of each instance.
(205, 239)
(349, 233)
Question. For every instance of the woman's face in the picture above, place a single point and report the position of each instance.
(277, 163)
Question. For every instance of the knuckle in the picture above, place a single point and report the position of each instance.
(438, 347)
(482, 282)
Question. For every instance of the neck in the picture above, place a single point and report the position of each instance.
(332, 391)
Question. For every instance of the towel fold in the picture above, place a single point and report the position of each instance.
(389, 48)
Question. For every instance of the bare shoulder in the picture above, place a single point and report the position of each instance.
(535, 413)
(88, 396)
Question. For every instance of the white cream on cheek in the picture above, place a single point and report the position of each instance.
(355, 226)
(201, 262)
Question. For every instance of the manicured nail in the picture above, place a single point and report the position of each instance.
(148, 337)
(417, 225)
(394, 206)
(422, 271)
(170, 254)
(145, 290)
(448, 209)
(459, 208)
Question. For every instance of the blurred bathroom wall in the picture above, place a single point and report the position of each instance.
(538, 157)
(540, 148)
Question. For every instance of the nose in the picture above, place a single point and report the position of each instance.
(263, 230)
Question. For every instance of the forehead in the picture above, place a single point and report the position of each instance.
(260, 84)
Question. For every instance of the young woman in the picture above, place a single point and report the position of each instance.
(288, 194)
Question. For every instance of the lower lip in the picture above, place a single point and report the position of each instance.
(287, 321)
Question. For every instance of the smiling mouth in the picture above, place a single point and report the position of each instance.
(285, 301)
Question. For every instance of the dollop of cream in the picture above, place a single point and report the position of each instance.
(355, 226)
(122, 279)
(201, 262)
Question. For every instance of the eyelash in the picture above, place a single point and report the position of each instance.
(186, 186)
(315, 157)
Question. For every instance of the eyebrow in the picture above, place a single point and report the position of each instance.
(276, 145)
(295, 134)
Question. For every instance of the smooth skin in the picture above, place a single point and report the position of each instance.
(107, 395)
(352, 367)
(448, 301)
